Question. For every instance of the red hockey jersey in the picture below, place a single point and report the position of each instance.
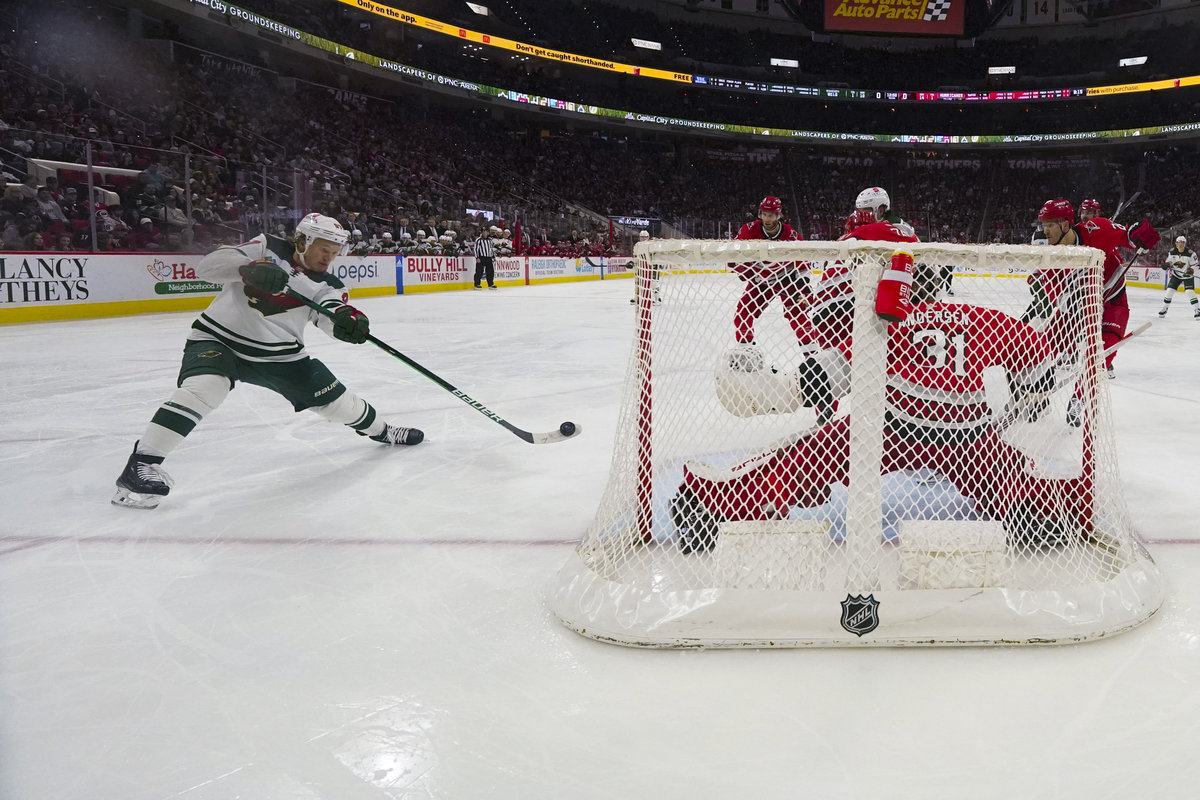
(936, 359)
(768, 272)
(1102, 234)
(1106, 235)
(834, 296)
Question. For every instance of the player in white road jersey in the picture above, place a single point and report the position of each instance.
(1182, 264)
(253, 332)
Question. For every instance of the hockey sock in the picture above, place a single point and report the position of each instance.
(353, 412)
(179, 414)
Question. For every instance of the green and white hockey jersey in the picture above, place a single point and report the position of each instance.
(1182, 265)
(259, 326)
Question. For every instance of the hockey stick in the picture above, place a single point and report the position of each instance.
(566, 430)
(1018, 408)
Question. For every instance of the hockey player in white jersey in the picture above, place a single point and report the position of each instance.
(253, 332)
(1182, 264)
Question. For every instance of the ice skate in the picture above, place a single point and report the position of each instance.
(1074, 412)
(394, 435)
(1163, 313)
(696, 525)
(1112, 373)
(143, 483)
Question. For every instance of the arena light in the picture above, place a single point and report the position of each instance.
(478, 9)
(1136, 61)
(1002, 70)
(785, 62)
(646, 44)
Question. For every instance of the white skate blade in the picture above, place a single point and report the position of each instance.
(128, 499)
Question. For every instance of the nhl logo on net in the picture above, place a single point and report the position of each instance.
(860, 615)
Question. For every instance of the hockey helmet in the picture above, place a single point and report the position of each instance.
(771, 204)
(1091, 204)
(644, 235)
(319, 226)
(873, 198)
(1057, 209)
(387, 235)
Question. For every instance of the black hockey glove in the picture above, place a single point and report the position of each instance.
(1144, 235)
(812, 384)
(350, 325)
(264, 275)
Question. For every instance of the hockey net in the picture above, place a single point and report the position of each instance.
(965, 490)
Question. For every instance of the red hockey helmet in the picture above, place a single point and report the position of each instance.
(772, 204)
(860, 217)
(1057, 209)
(1091, 204)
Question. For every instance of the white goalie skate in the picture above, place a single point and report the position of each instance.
(143, 483)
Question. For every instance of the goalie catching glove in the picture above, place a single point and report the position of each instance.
(264, 275)
(350, 325)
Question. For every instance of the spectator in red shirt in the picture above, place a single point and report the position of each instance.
(146, 237)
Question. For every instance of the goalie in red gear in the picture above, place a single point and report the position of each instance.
(787, 280)
(936, 418)
(823, 375)
(1058, 221)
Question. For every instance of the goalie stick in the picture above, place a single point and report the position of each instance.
(1018, 408)
(566, 430)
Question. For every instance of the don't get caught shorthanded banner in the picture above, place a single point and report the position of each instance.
(927, 17)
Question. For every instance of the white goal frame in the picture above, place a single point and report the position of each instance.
(622, 583)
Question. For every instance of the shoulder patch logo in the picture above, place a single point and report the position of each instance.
(860, 615)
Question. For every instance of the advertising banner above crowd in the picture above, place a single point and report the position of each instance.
(925, 17)
(943, 15)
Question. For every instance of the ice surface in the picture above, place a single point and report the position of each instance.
(310, 615)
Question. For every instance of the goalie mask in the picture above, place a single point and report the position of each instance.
(319, 226)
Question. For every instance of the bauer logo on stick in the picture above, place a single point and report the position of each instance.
(860, 615)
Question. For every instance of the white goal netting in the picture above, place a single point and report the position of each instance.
(790, 469)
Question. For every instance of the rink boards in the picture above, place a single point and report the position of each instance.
(37, 287)
(48, 286)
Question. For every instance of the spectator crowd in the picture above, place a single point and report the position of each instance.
(196, 150)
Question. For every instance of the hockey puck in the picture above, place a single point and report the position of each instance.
(567, 428)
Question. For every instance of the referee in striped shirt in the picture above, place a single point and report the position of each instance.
(485, 259)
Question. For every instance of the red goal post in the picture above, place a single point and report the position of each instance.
(982, 509)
